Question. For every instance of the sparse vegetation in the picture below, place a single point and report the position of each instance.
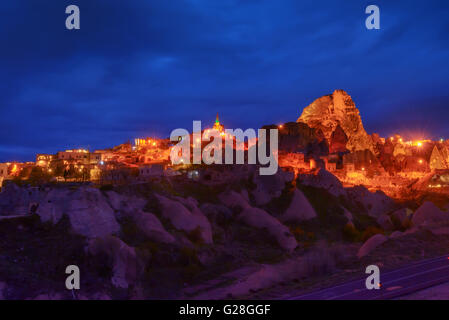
(324, 244)
(195, 236)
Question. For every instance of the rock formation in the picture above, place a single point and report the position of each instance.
(436, 160)
(270, 186)
(374, 204)
(15, 200)
(88, 210)
(299, 210)
(385, 222)
(445, 154)
(325, 180)
(186, 217)
(338, 109)
(401, 218)
(338, 140)
(429, 213)
(259, 219)
(126, 266)
(371, 244)
(399, 149)
(151, 227)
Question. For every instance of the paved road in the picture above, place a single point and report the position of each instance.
(414, 277)
(11, 217)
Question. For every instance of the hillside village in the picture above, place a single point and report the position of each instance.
(141, 227)
(329, 134)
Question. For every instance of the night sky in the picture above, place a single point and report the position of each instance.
(144, 68)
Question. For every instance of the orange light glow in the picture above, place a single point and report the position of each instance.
(420, 161)
(419, 144)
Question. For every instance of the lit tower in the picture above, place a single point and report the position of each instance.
(217, 125)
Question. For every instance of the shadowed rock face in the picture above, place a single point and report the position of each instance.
(185, 215)
(429, 213)
(89, 213)
(338, 141)
(269, 187)
(259, 219)
(338, 109)
(126, 266)
(299, 210)
(375, 204)
(362, 159)
(299, 137)
(371, 244)
(325, 180)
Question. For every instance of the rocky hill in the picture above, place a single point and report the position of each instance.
(330, 112)
(175, 237)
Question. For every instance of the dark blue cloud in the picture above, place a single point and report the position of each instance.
(140, 68)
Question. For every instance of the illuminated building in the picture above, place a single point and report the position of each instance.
(4, 170)
(44, 160)
(139, 142)
(79, 154)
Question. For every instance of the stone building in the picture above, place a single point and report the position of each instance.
(361, 159)
(331, 166)
(294, 160)
(3, 172)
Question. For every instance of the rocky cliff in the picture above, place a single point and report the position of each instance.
(338, 110)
